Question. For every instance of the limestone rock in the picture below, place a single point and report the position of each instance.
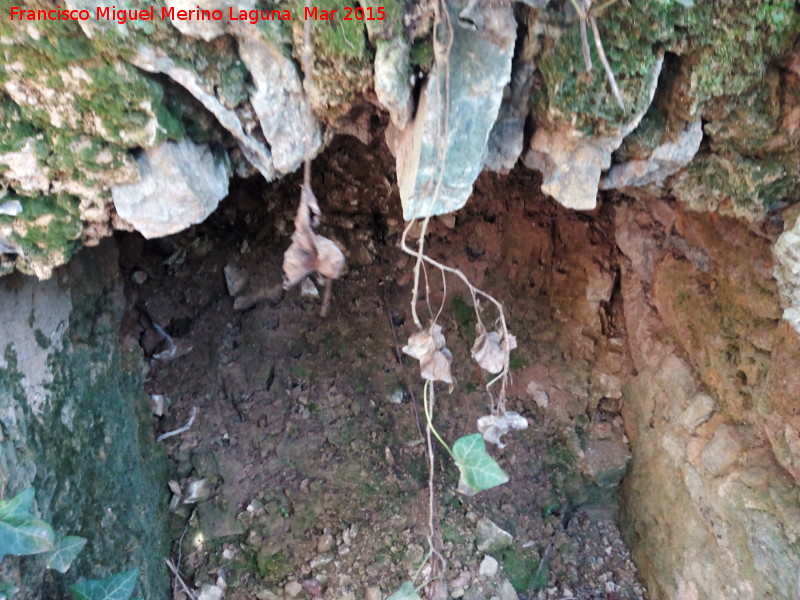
(490, 538)
(488, 567)
(787, 272)
(479, 69)
(293, 588)
(607, 461)
(698, 412)
(506, 138)
(571, 163)
(723, 451)
(181, 184)
(210, 592)
(665, 160)
(392, 85)
(506, 591)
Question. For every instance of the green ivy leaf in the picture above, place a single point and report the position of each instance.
(67, 548)
(116, 587)
(20, 532)
(406, 592)
(19, 506)
(479, 471)
(7, 590)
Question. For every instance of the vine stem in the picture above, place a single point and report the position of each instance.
(443, 60)
(429, 415)
(474, 293)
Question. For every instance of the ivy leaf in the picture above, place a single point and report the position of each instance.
(406, 592)
(7, 590)
(19, 506)
(67, 548)
(20, 532)
(479, 471)
(116, 587)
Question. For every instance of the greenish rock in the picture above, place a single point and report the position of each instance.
(733, 184)
(77, 425)
(490, 538)
(218, 521)
(664, 160)
(457, 114)
(392, 71)
(520, 568)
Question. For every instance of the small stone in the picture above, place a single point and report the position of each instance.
(325, 543)
(488, 567)
(396, 397)
(373, 593)
(506, 591)
(139, 277)
(293, 588)
(460, 584)
(307, 288)
(414, 554)
(267, 595)
(313, 586)
(321, 560)
(227, 554)
(210, 592)
(490, 538)
(538, 394)
(235, 278)
(699, 411)
(198, 491)
(723, 451)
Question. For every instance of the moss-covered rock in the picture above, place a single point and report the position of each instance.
(718, 69)
(77, 427)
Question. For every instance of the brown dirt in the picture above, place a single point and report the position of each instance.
(296, 432)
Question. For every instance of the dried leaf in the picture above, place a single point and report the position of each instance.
(422, 343)
(489, 353)
(298, 263)
(428, 347)
(436, 367)
(310, 252)
(494, 426)
(330, 260)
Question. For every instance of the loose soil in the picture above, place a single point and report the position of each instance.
(308, 438)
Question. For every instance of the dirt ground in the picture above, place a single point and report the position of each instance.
(306, 458)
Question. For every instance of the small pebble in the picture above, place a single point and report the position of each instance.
(325, 543)
(488, 567)
(293, 588)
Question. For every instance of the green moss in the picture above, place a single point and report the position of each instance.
(631, 34)
(273, 567)
(645, 138)
(735, 184)
(41, 339)
(726, 47)
(464, 314)
(51, 228)
(517, 361)
(520, 568)
(100, 475)
(734, 42)
(421, 54)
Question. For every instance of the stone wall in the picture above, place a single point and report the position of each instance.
(710, 505)
(75, 425)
